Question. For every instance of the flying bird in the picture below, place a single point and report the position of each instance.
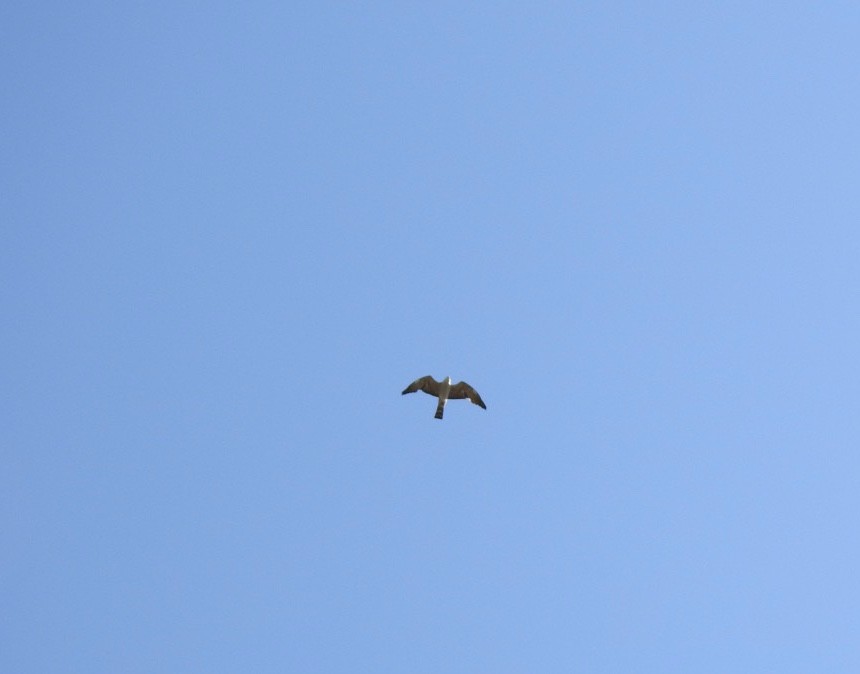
(444, 390)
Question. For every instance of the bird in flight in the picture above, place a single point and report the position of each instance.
(444, 390)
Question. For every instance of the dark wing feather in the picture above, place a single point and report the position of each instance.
(426, 384)
(463, 390)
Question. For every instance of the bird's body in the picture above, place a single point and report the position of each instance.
(444, 390)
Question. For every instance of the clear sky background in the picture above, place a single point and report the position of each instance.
(232, 233)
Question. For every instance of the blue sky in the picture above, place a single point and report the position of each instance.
(232, 233)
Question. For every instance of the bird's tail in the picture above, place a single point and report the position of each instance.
(440, 408)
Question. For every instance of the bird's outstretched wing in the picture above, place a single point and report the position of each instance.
(463, 390)
(426, 384)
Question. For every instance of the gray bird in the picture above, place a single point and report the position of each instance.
(444, 390)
